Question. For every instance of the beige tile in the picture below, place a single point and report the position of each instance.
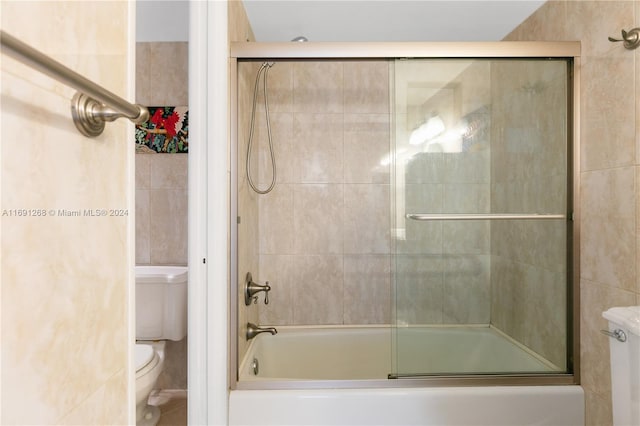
(419, 289)
(466, 198)
(476, 89)
(276, 221)
(58, 269)
(318, 219)
(467, 167)
(466, 237)
(608, 227)
(239, 27)
(168, 171)
(425, 167)
(366, 87)
(422, 236)
(279, 271)
(143, 223)
(592, 22)
(595, 299)
(168, 226)
(546, 327)
(367, 292)
(366, 219)
(319, 144)
(284, 145)
(143, 171)
(466, 294)
(318, 87)
(318, 290)
(366, 147)
(104, 406)
(35, 22)
(598, 410)
(168, 74)
(144, 95)
(608, 137)
(510, 307)
(280, 93)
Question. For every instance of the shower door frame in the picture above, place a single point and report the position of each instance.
(569, 51)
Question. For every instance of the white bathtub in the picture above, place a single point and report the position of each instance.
(319, 358)
(355, 353)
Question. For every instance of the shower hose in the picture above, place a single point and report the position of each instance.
(264, 70)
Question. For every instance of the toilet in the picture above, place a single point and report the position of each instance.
(161, 314)
(624, 347)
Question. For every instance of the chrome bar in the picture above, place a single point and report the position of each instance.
(617, 334)
(485, 216)
(93, 106)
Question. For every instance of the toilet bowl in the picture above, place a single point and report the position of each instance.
(149, 358)
(161, 314)
(624, 347)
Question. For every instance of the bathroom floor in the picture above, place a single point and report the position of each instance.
(173, 412)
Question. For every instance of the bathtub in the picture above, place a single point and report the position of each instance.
(339, 376)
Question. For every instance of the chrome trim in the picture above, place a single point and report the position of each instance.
(617, 334)
(434, 381)
(487, 216)
(253, 330)
(251, 288)
(316, 50)
(234, 297)
(93, 105)
(573, 206)
(341, 50)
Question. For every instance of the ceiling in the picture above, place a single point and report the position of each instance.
(385, 20)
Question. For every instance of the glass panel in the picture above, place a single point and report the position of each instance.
(487, 293)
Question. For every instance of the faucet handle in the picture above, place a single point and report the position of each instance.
(251, 288)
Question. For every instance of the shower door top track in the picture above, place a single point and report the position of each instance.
(341, 50)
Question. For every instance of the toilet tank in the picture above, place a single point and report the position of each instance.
(625, 364)
(161, 302)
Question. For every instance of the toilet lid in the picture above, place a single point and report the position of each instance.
(144, 355)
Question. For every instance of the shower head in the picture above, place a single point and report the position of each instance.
(300, 39)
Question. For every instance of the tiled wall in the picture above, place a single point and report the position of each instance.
(442, 268)
(161, 179)
(161, 183)
(323, 238)
(65, 279)
(610, 173)
(528, 260)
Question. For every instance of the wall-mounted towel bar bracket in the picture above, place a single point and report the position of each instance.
(93, 105)
(630, 39)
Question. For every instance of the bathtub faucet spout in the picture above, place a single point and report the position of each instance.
(253, 330)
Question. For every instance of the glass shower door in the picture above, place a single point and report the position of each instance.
(481, 216)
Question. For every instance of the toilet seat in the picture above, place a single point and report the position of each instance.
(146, 359)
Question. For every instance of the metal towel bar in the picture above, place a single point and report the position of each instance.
(485, 216)
(93, 105)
